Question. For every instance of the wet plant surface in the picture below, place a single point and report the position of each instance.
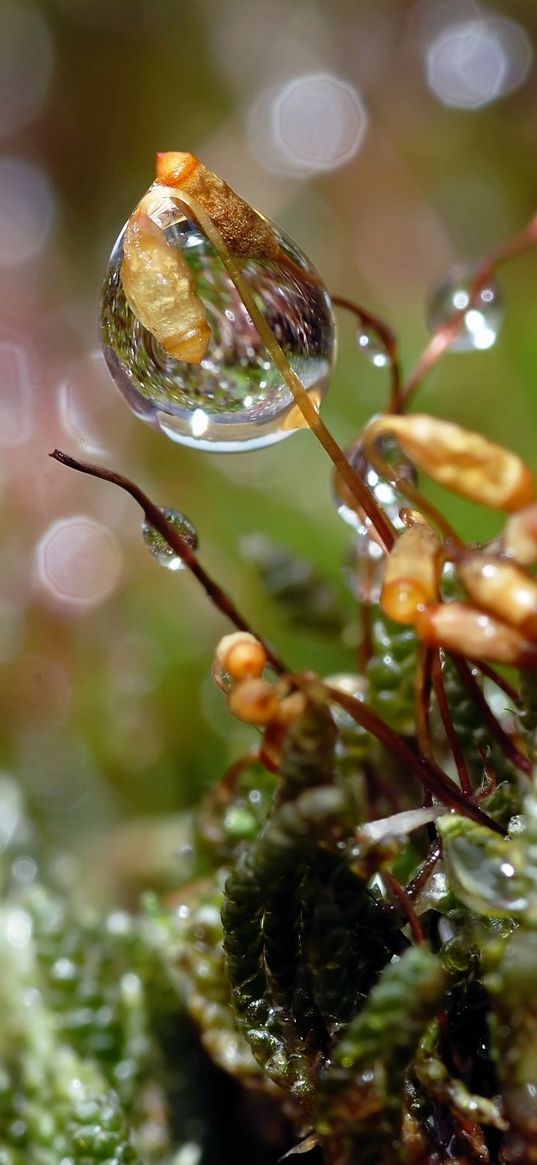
(345, 963)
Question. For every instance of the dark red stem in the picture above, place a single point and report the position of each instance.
(156, 518)
(403, 900)
(501, 737)
(428, 773)
(449, 727)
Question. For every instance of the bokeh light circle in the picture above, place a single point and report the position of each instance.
(78, 561)
(18, 379)
(27, 210)
(313, 123)
(471, 63)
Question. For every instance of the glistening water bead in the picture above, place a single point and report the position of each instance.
(157, 545)
(483, 312)
(236, 398)
(364, 572)
(371, 346)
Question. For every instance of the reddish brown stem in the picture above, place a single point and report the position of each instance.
(428, 773)
(403, 900)
(156, 518)
(449, 727)
(423, 873)
(422, 706)
(501, 737)
(499, 680)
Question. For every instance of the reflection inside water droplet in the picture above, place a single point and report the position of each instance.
(483, 312)
(235, 399)
(157, 545)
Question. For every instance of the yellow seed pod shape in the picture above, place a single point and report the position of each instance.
(503, 589)
(473, 634)
(240, 655)
(160, 289)
(411, 574)
(519, 539)
(244, 229)
(462, 461)
(254, 701)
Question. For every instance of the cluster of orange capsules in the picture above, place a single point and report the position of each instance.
(498, 619)
(495, 620)
(465, 602)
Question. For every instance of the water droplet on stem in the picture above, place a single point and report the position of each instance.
(483, 313)
(158, 546)
(371, 346)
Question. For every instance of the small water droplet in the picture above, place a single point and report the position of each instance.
(235, 399)
(385, 494)
(483, 315)
(158, 546)
(371, 346)
(364, 571)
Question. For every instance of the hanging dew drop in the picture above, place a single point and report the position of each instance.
(235, 398)
(371, 346)
(483, 314)
(158, 546)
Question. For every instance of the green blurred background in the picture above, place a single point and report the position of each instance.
(392, 140)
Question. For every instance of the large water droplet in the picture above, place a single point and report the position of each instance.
(158, 546)
(236, 398)
(483, 314)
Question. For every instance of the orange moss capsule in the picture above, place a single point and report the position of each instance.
(503, 589)
(160, 289)
(411, 573)
(240, 655)
(519, 538)
(245, 231)
(460, 460)
(254, 701)
(469, 632)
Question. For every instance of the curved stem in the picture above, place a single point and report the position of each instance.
(156, 518)
(355, 484)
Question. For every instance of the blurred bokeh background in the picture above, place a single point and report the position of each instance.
(392, 140)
